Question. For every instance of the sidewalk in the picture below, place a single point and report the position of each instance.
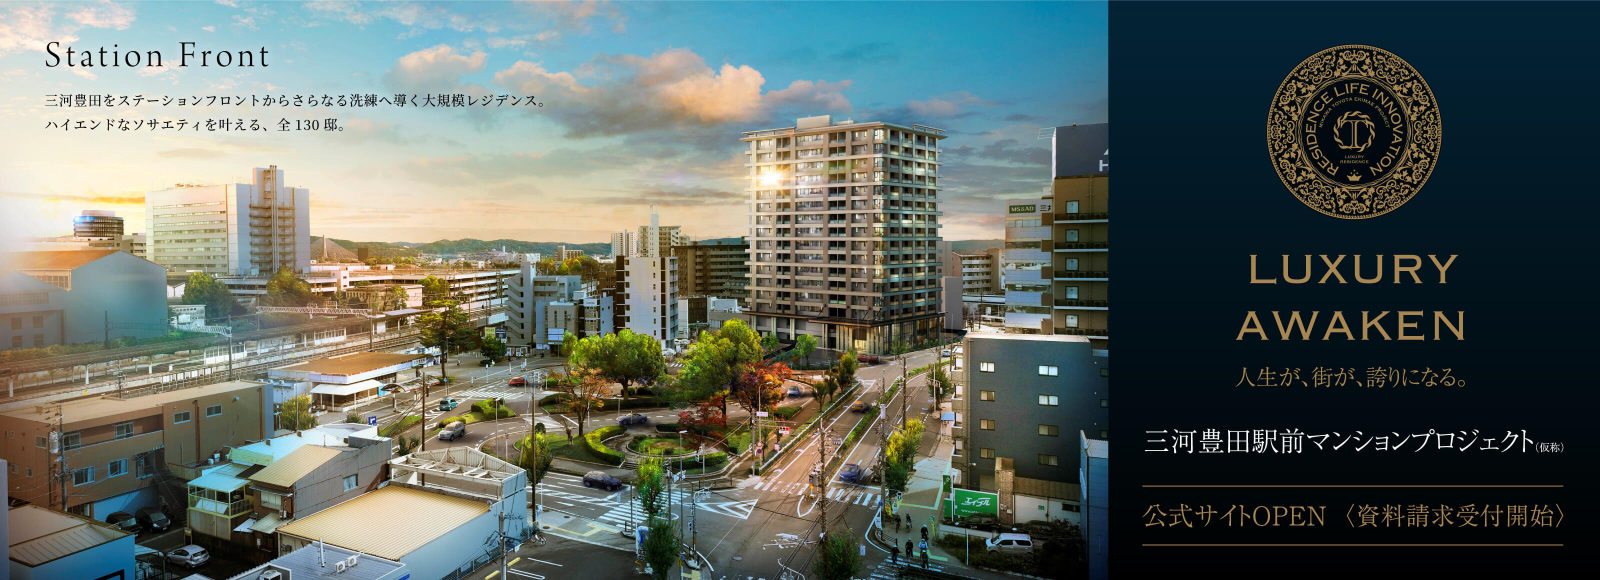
(584, 530)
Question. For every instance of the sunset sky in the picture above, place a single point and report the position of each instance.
(643, 103)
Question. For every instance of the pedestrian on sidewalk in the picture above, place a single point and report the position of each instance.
(908, 550)
(894, 553)
(924, 532)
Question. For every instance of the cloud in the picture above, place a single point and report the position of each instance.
(1011, 151)
(576, 14)
(432, 69)
(190, 153)
(31, 26)
(125, 199)
(83, 73)
(209, 28)
(415, 15)
(151, 71)
(247, 22)
(673, 197)
(1021, 118)
(951, 104)
(672, 89)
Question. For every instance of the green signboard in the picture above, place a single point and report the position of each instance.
(966, 502)
(1030, 208)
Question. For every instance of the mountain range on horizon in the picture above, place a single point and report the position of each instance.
(470, 245)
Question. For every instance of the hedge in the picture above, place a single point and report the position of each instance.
(713, 461)
(667, 427)
(487, 409)
(787, 412)
(594, 442)
(855, 434)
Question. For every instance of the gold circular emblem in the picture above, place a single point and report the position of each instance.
(1353, 132)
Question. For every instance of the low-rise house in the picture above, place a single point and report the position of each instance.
(320, 561)
(341, 383)
(47, 545)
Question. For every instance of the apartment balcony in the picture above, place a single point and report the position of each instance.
(1082, 246)
(1076, 304)
(1084, 276)
(1089, 332)
(1082, 218)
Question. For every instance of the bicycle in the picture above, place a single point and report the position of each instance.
(537, 539)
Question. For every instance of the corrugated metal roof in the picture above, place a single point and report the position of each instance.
(66, 260)
(267, 524)
(219, 482)
(40, 535)
(284, 472)
(351, 524)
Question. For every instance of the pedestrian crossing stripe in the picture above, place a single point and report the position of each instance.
(839, 494)
(736, 509)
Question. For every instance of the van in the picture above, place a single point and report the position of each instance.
(1013, 544)
(453, 431)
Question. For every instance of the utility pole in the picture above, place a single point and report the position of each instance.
(502, 539)
(822, 478)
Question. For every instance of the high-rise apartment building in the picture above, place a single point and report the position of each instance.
(97, 224)
(713, 269)
(662, 242)
(624, 243)
(844, 232)
(646, 298)
(236, 228)
(979, 270)
(1057, 259)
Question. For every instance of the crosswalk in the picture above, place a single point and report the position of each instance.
(846, 494)
(888, 570)
(507, 392)
(622, 510)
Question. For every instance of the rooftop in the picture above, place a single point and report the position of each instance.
(66, 260)
(317, 560)
(350, 524)
(95, 408)
(1033, 337)
(40, 535)
(297, 464)
(354, 364)
(272, 450)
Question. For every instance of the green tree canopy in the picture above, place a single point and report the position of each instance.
(624, 357)
(203, 289)
(535, 458)
(295, 414)
(492, 348)
(284, 289)
(714, 361)
(434, 289)
(661, 547)
(838, 556)
(804, 345)
(448, 328)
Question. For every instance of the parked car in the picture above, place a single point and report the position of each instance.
(633, 419)
(871, 360)
(850, 473)
(519, 382)
(190, 556)
(985, 522)
(124, 521)
(448, 404)
(794, 391)
(1010, 544)
(601, 480)
(153, 519)
(945, 352)
(859, 407)
(453, 431)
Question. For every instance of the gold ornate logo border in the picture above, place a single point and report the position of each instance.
(1285, 134)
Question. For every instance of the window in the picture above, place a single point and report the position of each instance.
(16, 323)
(1049, 430)
(1049, 371)
(349, 483)
(1105, 403)
(71, 441)
(30, 472)
(1072, 293)
(1049, 401)
(38, 322)
(38, 341)
(985, 395)
(118, 467)
(1072, 321)
(182, 417)
(83, 476)
(16, 342)
(271, 501)
(41, 442)
(987, 367)
(1072, 235)
(125, 430)
(213, 410)
(142, 466)
(1072, 264)
(1049, 460)
(1105, 372)
(986, 424)
(1072, 207)
(985, 453)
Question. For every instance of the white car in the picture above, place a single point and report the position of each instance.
(1010, 544)
(945, 352)
(190, 556)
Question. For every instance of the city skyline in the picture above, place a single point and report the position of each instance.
(641, 107)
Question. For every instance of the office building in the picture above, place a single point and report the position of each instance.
(74, 297)
(844, 232)
(1026, 397)
(122, 454)
(563, 254)
(979, 270)
(624, 243)
(97, 224)
(646, 298)
(1057, 256)
(662, 241)
(527, 297)
(717, 269)
(45, 544)
(1094, 470)
(237, 229)
(461, 498)
(130, 243)
(473, 290)
(583, 316)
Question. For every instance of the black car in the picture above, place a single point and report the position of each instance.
(633, 419)
(153, 519)
(599, 479)
(124, 521)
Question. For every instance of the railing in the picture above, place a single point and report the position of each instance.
(1082, 245)
(1084, 331)
(1074, 274)
(1084, 303)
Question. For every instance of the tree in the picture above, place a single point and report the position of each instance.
(583, 389)
(535, 458)
(407, 443)
(203, 289)
(546, 267)
(705, 418)
(769, 342)
(712, 364)
(760, 385)
(660, 548)
(650, 486)
(941, 385)
(804, 345)
(395, 298)
(492, 348)
(295, 414)
(447, 328)
(434, 289)
(840, 376)
(623, 357)
(838, 556)
(896, 475)
(284, 289)
(354, 417)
